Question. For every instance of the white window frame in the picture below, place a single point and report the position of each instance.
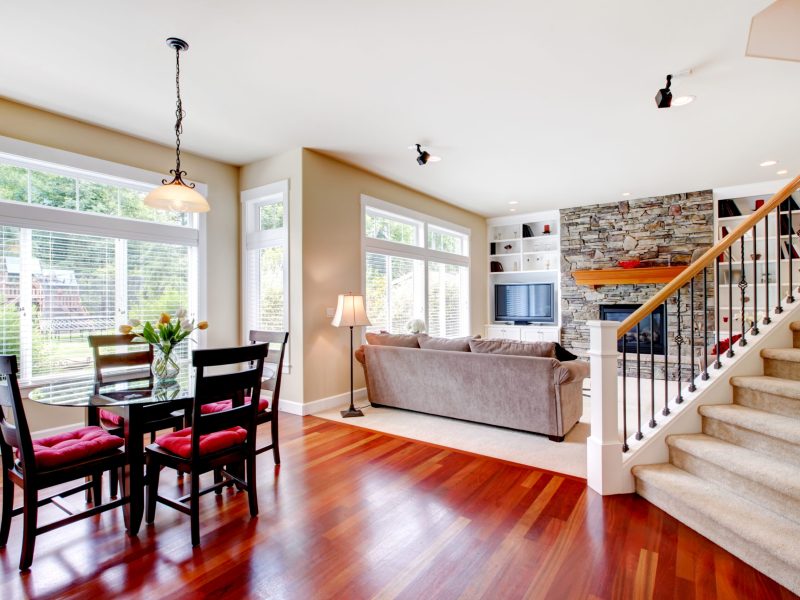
(419, 251)
(254, 238)
(61, 220)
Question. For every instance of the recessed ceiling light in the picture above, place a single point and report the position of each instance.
(434, 158)
(513, 202)
(626, 194)
(782, 172)
(768, 163)
(682, 100)
(512, 210)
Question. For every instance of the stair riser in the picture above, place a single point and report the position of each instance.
(765, 562)
(756, 492)
(782, 368)
(754, 441)
(780, 405)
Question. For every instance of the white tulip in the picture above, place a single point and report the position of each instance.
(181, 314)
(134, 322)
(186, 324)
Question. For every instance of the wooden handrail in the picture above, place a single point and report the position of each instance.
(708, 258)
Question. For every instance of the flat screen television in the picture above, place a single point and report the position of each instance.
(525, 303)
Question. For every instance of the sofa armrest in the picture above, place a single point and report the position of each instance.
(359, 354)
(573, 370)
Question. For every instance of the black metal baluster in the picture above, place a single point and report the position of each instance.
(691, 387)
(717, 290)
(790, 297)
(766, 320)
(652, 374)
(624, 396)
(639, 434)
(704, 375)
(779, 258)
(730, 353)
(679, 341)
(666, 410)
(743, 289)
(754, 329)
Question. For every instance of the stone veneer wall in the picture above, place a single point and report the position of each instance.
(651, 229)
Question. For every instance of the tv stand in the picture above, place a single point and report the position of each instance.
(535, 332)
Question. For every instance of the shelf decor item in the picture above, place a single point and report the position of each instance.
(164, 336)
(546, 229)
(629, 264)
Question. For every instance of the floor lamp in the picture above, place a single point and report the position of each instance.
(350, 313)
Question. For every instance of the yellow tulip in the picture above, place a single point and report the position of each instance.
(126, 329)
(202, 325)
(165, 318)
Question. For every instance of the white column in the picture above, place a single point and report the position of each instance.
(604, 468)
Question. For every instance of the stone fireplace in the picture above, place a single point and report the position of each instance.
(620, 312)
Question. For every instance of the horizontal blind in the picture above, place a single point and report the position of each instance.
(9, 290)
(395, 291)
(447, 300)
(266, 301)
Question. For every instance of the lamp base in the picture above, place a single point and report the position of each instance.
(351, 413)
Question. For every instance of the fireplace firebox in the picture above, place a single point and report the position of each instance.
(620, 312)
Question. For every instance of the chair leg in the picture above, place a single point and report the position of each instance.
(97, 488)
(194, 505)
(113, 483)
(8, 507)
(29, 516)
(218, 479)
(276, 453)
(252, 495)
(153, 471)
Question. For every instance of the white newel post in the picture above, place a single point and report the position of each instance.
(604, 447)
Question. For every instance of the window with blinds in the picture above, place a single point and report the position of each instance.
(415, 268)
(60, 284)
(266, 258)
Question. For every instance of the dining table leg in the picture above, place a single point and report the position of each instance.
(134, 470)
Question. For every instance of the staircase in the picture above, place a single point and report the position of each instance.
(738, 482)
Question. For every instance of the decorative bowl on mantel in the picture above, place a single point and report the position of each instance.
(630, 264)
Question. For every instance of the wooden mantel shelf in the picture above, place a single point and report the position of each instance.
(596, 277)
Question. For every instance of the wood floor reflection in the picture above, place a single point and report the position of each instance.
(355, 514)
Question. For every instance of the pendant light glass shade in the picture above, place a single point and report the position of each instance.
(177, 197)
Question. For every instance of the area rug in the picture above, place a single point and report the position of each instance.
(568, 457)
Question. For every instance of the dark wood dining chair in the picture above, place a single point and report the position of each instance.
(216, 441)
(126, 367)
(268, 406)
(35, 465)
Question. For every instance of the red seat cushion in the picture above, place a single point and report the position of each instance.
(110, 417)
(212, 407)
(180, 442)
(74, 446)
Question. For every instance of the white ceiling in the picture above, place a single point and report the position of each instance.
(545, 103)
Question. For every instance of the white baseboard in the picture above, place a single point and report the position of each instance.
(323, 404)
(41, 433)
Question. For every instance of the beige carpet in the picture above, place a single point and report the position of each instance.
(567, 457)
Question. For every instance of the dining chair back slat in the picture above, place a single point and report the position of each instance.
(274, 357)
(108, 366)
(16, 435)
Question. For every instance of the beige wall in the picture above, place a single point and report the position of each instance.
(39, 127)
(332, 261)
(287, 166)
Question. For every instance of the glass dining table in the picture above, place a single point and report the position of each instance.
(137, 403)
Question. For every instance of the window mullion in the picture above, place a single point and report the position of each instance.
(121, 282)
(26, 303)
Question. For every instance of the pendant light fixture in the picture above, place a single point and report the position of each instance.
(177, 195)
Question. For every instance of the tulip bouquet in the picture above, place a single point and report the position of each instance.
(165, 335)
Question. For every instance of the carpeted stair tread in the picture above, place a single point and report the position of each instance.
(759, 421)
(789, 388)
(784, 354)
(779, 476)
(756, 535)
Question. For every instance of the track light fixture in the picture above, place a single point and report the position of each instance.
(664, 95)
(424, 156)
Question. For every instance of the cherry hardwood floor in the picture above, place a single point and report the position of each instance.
(355, 514)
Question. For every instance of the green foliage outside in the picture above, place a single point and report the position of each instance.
(271, 216)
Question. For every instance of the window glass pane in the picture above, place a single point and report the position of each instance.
(48, 189)
(9, 291)
(98, 198)
(73, 296)
(271, 216)
(446, 241)
(447, 300)
(395, 291)
(13, 183)
(132, 206)
(266, 288)
(382, 227)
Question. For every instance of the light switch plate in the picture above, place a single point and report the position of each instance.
(330, 312)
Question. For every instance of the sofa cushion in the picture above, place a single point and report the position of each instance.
(427, 342)
(410, 340)
(514, 348)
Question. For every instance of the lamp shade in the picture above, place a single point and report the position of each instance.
(177, 197)
(350, 312)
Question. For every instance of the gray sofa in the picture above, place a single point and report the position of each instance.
(540, 395)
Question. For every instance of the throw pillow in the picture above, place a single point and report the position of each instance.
(439, 343)
(564, 355)
(404, 340)
(513, 348)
